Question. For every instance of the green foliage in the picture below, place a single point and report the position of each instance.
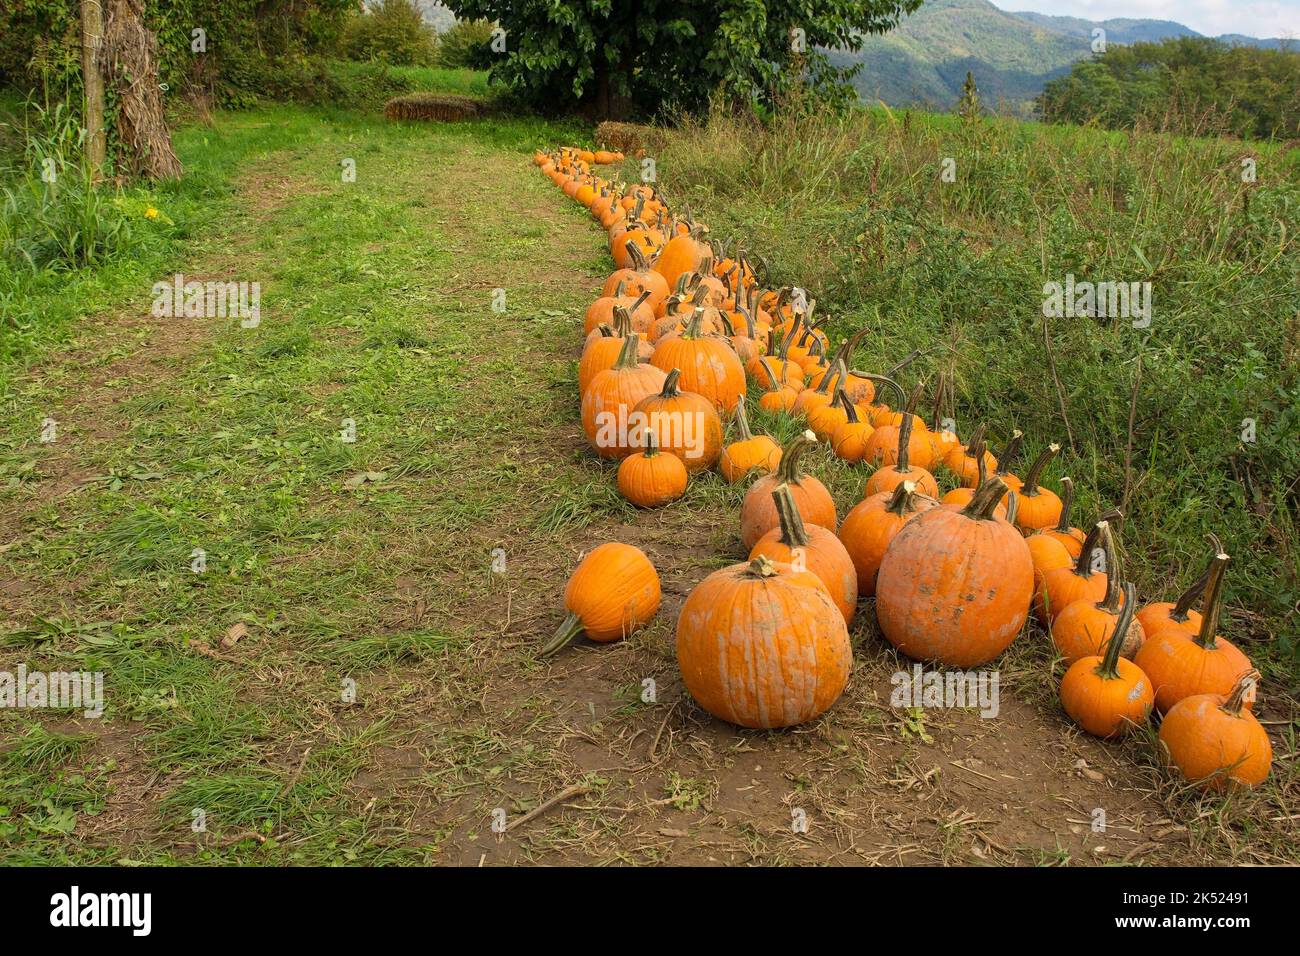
(52, 217)
(1190, 85)
(674, 54)
(392, 31)
(466, 45)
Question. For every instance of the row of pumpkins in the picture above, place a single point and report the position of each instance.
(684, 333)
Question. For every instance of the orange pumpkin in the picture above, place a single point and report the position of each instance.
(810, 548)
(685, 424)
(709, 366)
(638, 279)
(888, 477)
(1039, 507)
(651, 478)
(961, 460)
(1083, 628)
(1215, 741)
(761, 645)
(1183, 665)
(1108, 695)
(748, 452)
(1161, 615)
(1081, 581)
(954, 586)
(608, 401)
(873, 523)
(613, 591)
(757, 512)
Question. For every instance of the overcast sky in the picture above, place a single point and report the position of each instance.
(1257, 18)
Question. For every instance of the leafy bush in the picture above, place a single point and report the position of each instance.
(393, 31)
(52, 216)
(467, 45)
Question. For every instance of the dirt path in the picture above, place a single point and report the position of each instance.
(367, 569)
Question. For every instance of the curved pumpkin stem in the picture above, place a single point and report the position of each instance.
(1246, 683)
(1083, 564)
(1009, 453)
(793, 532)
(1108, 669)
(886, 381)
(741, 420)
(670, 389)
(788, 471)
(850, 410)
(1185, 600)
(629, 355)
(1013, 505)
(1213, 603)
(975, 447)
(568, 631)
(903, 465)
(1067, 502)
(985, 500)
(1030, 488)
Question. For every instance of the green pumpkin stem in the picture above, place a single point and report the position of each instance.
(886, 381)
(904, 463)
(742, 421)
(1185, 600)
(850, 410)
(564, 636)
(788, 471)
(1013, 506)
(975, 447)
(651, 443)
(793, 533)
(903, 501)
(639, 261)
(773, 383)
(1083, 564)
(985, 499)
(692, 330)
(670, 389)
(1030, 487)
(1213, 603)
(1108, 669)
(628, 355)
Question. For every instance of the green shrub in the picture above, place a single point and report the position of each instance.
(391, 32)
(467, 45)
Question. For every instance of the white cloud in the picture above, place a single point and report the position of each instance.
(1259, 18)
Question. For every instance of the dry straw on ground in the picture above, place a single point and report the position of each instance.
(441, 107)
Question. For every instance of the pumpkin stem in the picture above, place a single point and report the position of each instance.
(773, 384)
(651, 443)
(904, 463)
(1030, 487)
(793, 532)
(850, 410)
(1110, 602)
(693, 324)
(975, 447)
(670, 389)
(985, 499)
(1083, 565)
(788, 471)
(1213, 603)
(640, 300)
(903, 501)
(622, 321)
(742, 422)
(628, 354)
(1009, 452)
(1188, 598)
(1013, 506)
(887, 381)
(1237, 698)
(1067, 502)
(639, 262)
(762, 567)
(940, 389)
(564, 636)
(1108, 669)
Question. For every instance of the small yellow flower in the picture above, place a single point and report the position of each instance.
(151, 213)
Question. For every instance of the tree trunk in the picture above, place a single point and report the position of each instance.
(92, 38)
(602, 88)
(130, 63)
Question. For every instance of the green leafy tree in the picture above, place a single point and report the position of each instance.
(392, 31)
(652, 55)
(467, 45)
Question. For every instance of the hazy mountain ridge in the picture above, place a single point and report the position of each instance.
(1011, 54)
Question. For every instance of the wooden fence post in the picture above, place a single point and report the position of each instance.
(92, 39)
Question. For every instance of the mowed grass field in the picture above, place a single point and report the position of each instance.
(381, 700)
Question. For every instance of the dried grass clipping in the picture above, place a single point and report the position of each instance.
(129, 60)
(441, 107)
(629, 138)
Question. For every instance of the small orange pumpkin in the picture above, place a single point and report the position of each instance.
(748, 452)
(757, 512)
(1108, 695)
(613, 591)
(1083, 628)
(811, 548)
(611, 396)
(685, 424)
(1215, 741)
(651, 478)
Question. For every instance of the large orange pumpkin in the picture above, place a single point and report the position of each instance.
(685, 424)
(709, 366)
(762, 645)
(954, 586)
